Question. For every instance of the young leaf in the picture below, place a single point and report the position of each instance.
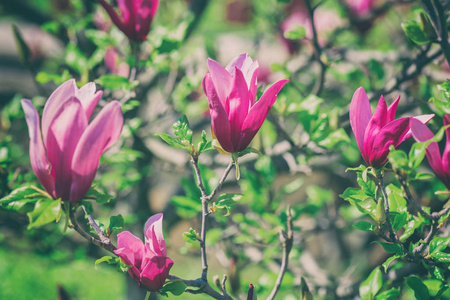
(370, 287)
(23, 193)
(364, 226)
(182, 129)
(414, 32)
(45, 211)
(115, 223)
(190, 236)
(175, 287)
(99, 196)
(174, 142)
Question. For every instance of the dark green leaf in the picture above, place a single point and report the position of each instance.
(115, 223)
(99, 196)
(392, 294)
(388, 261)
(420, 289)
(364, 226)
(414, 32)
(438, 244)
(248, 151)
(175, 287)
(391, 248)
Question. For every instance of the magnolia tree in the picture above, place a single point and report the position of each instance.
(324, 199)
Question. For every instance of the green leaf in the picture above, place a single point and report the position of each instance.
(370, 287)
(175, 287)
(414, 32)
(58, 79)
(23, 193)
(398, 159)
(99, 196)
(420, 289)
(400, 220)
(115, 82)
(45, 211)
(22, 47)
(115, 223)
(227, 201)
(391, 294)
(182, 129)
(417, 154)
(190, 236)
(438, 244)
(120, 265)
(174, 142)
(364, 226)
(353, 194)
(305, 294)
(389, 260)
(248, 151)
(296, 33)
(108, 259)
(204, 144)
(441, 257)
(76, 59)
(391, 248)
(334, 138)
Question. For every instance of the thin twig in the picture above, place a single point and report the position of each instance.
(392, 236)
(287, 240)
(409, 197)
(98, 231)
(202, 282)
(317, 50)
(107, 246)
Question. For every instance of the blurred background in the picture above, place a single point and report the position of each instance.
(306, 143)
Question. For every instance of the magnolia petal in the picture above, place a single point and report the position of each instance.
(360, 115)
(219, 118)
(221, 79)
(376, 123)
(392, 110)
(153, 231)
(38, 156)
(421, 133)
(155, 273)
(446, 153)
(422, 118)
(239, 106)
(88, 98)
(258, 113)
(145, 11)
(64, 132)
(101, 133)
(244, 63)
(130, 248)
(54, 103)
(391, 134)
(115, 18)
(253, 88)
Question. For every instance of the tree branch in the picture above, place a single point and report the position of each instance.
(286, 240)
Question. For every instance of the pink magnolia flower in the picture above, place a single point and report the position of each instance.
(135, 18)
(376, 133)
(65, 158)
(231, 92)
(439, 164)
(149, 264)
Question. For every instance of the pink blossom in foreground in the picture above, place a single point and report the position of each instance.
(149, 264)
(66, 153)
(376, 133)
(231, 92)
(135, 17)
(439, 164)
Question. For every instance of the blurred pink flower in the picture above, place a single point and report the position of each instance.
(149, 264)
(101, 21)
(439, 164)
(361, 7)
(114, 64)
(65, 158)
(231, 92)
(135, 17)
(324, 20)
(376, 133)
